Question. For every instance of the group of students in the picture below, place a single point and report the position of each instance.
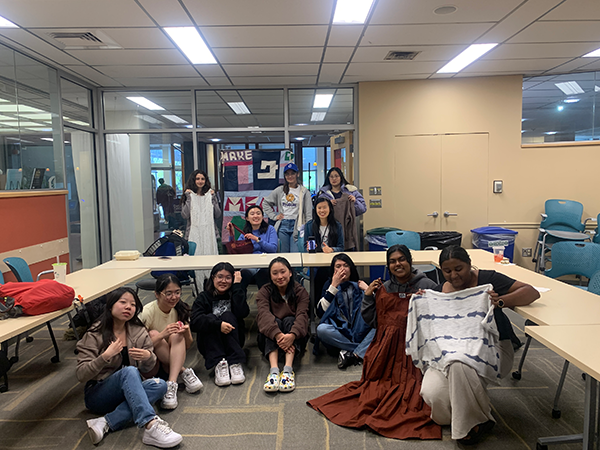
(121, 354)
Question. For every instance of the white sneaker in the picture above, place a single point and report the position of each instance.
(191, 381)
(169, 401)
(222, 374)
(97, 428)
(161, 435)
(237, 374)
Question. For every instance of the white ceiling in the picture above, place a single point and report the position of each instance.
(292, 42)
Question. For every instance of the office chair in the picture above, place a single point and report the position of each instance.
(596, 237)
(413, 241)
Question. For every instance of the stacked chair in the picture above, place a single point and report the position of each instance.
(413, 241)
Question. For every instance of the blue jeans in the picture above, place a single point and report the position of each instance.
(287, 243)
(123, 397)
(330, 335)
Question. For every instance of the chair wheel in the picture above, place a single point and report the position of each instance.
(29, 339)
(556, 413)
(3, 388)
(539, 446)
(516, 375)
(13, 360)
(55, 359)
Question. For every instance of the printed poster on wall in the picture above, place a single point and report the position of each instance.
(248, 177)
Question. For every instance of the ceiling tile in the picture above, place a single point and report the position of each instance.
(167, 13)
(344, 35)
(38, 47)
(94, 75)
(139, 37)
(423, 34)
(117, 57)
(218, 81)
(394, 12)
(379, 77)
(269, 55)
(338, 54)
(514, 65)
(147, 71)
(559, 32)
(267, 12)
(331, 73)
(575, 10)
(393, 68)
(248, 70)
(570, 66)
(269, 36)
(273, 81)
(558, 50)
(427, 53)
(210, 70)
(164, 82)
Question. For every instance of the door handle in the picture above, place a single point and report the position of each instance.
(448, 214)
(433, 214)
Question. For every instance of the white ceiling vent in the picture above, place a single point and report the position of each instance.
(400, 56)
(82, 39)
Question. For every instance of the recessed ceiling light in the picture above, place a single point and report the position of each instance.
(443, 10)
(322, 100)
(216, 140)
(594, 54)
(174, 118)
(352, 11)
(189, 126)
(5, 23)
(571, 100)
(143, 101)
(317, 117)
(239, 107)
(469, 55)
(560, 107)
(570, 87)
(191, 43)
(47, 139)
(551, 132)
(300, 138)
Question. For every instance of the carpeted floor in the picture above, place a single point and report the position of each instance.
(44, 408)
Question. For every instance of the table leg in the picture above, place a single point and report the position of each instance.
(589, 421)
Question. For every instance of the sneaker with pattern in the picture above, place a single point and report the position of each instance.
(272, 383)
(287, 382)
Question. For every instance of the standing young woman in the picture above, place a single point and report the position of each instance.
(348, 203)
(293, 204)
(459, 398)
(282, 321)
(264, 239)
(201, 210)
(110, 357)
(218, 319)
(386, 399)
(167, 319)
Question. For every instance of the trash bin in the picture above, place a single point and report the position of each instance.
(486, 238)
(376, 240)
(440, 239)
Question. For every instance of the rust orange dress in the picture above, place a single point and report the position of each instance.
(386, 399)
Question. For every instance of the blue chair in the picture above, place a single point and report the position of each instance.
(413, 241)
(574, 258)
(596, 237)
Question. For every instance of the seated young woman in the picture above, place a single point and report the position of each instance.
(110, 357)
(342, 326)
(218, 320)
(282, 321)
(167, 319)
(386, 399)
(263, 237)
(459, 398)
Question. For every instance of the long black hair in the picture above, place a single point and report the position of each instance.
(290, 293)
(263, 225)
(210, 284)
(191, 184)
(343, 257)
(455, 252)
(182, 308)
(343, 180)
(106, 322)
(331, 225)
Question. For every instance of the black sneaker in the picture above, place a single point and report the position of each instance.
(347, 359)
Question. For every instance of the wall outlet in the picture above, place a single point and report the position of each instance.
(526, 252)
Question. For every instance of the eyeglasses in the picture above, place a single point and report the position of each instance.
(223, 277)
(171, 294)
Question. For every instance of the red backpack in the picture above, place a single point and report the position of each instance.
(39, 297)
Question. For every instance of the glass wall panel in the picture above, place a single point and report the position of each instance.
(315, 148)
(147, 110)
(82, 198)
(308, 109)
(560, 108)
(240, 108)
(76, 103)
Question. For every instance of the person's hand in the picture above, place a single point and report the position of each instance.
(237, 276)
(373, 286)
(226, 328)
(211, 192)
(139, 354)
(338, 276)
(326, 248)
(285, 341)
(183, 329)
(495, 299)
(113, 349)
(419, 292)
(334, 201)
(352, 198)
(188, 191)
(279, 216)
(230, 229)
(362, 285)
(251, 237)
(170, 329)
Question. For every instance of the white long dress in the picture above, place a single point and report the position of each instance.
(202, 231)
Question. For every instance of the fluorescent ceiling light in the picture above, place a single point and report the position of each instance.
(191, 43)
(596, 89)
(216, 140)
(189, 126)
(469, 55)
(5, 23)
(143, 101)
(352, 11)
(39, 116)
(322, 100)
(569, 87)
(174, 118)
(47, 139)
(560, 107)
(317, 116)
(571, 100)
(551, 132)
(300, 138)
(239, 107)
(594, 54)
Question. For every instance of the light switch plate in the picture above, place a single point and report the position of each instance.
(498, 185)
(375, 203)
(375, 190)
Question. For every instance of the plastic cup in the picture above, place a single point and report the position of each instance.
(498, 254)
(60, 272)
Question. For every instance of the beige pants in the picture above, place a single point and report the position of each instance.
(460, 398)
